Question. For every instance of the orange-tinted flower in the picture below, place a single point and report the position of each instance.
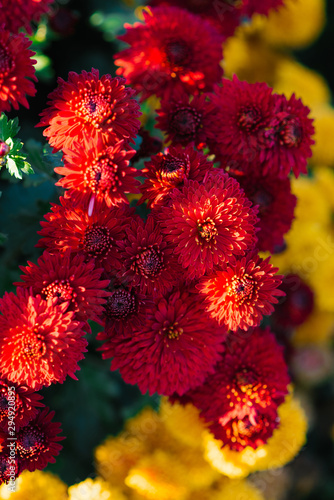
(241, 294)
(40, 343)
(16, 70)
(87, 106)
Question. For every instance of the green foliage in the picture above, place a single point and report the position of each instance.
(14, 161)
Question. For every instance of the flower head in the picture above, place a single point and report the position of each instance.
(16, 70)
(69, 226)
(174, 350)
(240, 295)
(67, 278)
(240, 399)
(16, 14)
(148, 261)
(40, 343)
(208, 222)
(186, 119)
(167, 171)
(87, 106)
(24, 400)
(38, 443)
(173, 49)
(276, 206)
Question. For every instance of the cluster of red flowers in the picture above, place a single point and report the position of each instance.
(181, 294)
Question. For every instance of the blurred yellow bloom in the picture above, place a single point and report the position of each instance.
(317, 329)
(312, 206)
(296, 24)
(280, 449)
(294, 78)
(94, 489)
(36, 485)
(324, 178)
(323, 149)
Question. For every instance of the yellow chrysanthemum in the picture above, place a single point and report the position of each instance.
(317, 329)
(324, 178)
(94, 489)
(36, 485)
(296, 24)
(183, 422)
(156, 476)
(294, 78)
(323, 149)
(229, 489)
(322, 280)
(280, 449)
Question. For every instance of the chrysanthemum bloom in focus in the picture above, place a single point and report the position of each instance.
(242, 395)
(243, 113)
(174, 350)
(288, 138)
(16, 70)
(67, 278)
(209, 222)
(173, 49)
(40, 343)
(38, 443)
(276, 206)
(167, 171)
(25, 404)
(186, 119)
(240, 295)
(223, 15)
(16, 14)
(148, 260)
(98, 171)
(68, 226)
(87, 106)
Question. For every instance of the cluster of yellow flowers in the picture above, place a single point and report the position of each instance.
(170, 455)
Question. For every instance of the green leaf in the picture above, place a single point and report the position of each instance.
(15, 161)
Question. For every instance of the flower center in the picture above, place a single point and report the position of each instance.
(92, 107)
(249, 118)
(185, 121)
(174, 170)
(149, 262)
(173, 331)
(7, 64)
(242, 288)
(97, 241)
(101, 176)
(30, 441)
(120, 304)
(60, 289)
(290, 132)
(207, 229)
(32, 343)
(177, 52)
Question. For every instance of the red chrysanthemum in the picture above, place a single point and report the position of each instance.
(69, 226)
(276, 206)
(96, 170)
(288, 138)
(173, 350)
(251, 7)
(16, 14)
(223, 15)
(244, 111)
(20, 400)
(240, 295)
(9, 467)
(16, 70)
(148, 261)
(296, 306)
(208, 223)
(40, 343)
(167, 171)
(186, 119)
(173, 49)
(240, 399)
(87, 106)
(38, 443)
(68, 278)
